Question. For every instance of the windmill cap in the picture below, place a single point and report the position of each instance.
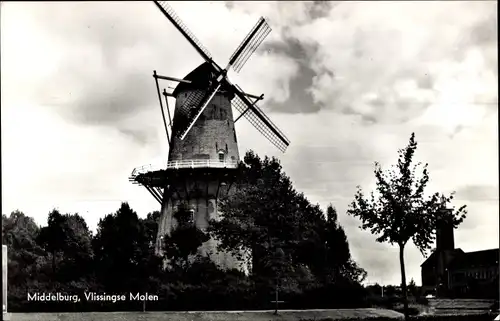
(199, 77)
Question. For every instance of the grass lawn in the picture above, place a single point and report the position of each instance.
(291, 315)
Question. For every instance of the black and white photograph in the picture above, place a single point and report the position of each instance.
(250, 160)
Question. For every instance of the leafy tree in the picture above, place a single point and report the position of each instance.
(263, 213)
(184, 241)
(53, 237)
(19, 233)
(77, 260)
(339, 258)
(400, 211)
(374, 289)
(26, 259)
(327, 251)
(390, 290)
(412, 288)
(121, 248)
(68, 238)
(150, 225)
(149, 267)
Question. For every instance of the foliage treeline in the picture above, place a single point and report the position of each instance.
(264, 214)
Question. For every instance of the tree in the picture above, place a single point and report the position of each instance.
(26, 259)
(184, 241)
(53, 237)
(121, 248)
(264, 212)
(68, 238)
(150, 225)
(375, 289)
(400, 211)
(390, 290)
(338, 254)
(412, 288)
(19, 233)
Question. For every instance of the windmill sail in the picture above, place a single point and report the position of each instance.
(248, 46)
(238, 59)
(259, 120)
(196, 112)
(177, 22)
(198, 100)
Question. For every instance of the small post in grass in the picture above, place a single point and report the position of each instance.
(277, 301)
(278, 262)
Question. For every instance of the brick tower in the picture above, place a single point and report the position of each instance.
(203, 163)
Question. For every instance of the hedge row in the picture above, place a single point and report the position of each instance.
(464, 317)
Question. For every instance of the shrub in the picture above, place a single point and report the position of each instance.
(422, 300)
(457, 317)
(411, 310)
(477, 317)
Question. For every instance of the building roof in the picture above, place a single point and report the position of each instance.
(467, 260)
(476, 259)
(431, 260)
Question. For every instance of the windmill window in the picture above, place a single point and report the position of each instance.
(223, 114)
(191, 217)
(214, 111)
(221, 157)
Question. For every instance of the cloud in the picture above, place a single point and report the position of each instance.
(478, 193)
(105, 75)
(347, 82)
(387, 65)
(300, 100)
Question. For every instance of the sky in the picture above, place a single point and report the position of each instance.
(347, 82)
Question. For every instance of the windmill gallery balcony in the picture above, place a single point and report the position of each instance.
(179, 164)
(183, 173)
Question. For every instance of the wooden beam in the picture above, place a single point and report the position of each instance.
(161, 105)
(256, 100)
(190, 82)
(255, 97)
(173, 79)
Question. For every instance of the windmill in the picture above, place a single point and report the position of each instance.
(203, 148)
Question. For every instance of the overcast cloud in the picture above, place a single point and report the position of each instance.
(347, 82)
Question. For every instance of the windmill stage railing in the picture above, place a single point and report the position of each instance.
(202, 163)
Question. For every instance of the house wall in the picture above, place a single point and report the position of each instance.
(459, 278)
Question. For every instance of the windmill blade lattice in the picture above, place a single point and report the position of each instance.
(174, 18)
(193, 99)
(197, 101)
(258, 119)
(195, 114)
(248, 46)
